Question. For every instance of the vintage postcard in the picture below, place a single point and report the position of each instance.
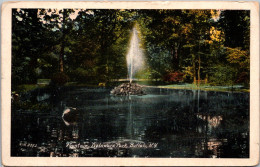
(130, 83)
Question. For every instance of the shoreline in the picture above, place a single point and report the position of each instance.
(236, 88)
(204, 88)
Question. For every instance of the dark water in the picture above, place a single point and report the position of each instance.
(163, 123)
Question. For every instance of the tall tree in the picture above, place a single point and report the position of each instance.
(60, 22)
(29, 42)
(236, 26)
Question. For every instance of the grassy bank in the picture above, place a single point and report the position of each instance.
(235, 88)
(28, 87)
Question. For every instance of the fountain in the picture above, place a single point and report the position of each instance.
(134, 56)
(135, 62)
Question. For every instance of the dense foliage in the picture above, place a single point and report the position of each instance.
(205, 45)
(91, 45)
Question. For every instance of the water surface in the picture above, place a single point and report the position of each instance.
(163, 123)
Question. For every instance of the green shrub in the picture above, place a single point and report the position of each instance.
(82, 75)
(188, 74)
(243, 78)
(59, 79)
(223, 75)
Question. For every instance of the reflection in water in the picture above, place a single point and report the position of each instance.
(70, 116)
(213, 121)
(163, 123)
(43, 97)
(213, 145)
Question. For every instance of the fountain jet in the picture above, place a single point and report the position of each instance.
(134, 57)
(135, 62)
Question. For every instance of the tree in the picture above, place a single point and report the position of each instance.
(29, 42)
(236, 27)
(99, 43)
(60, 22)
(182, 33)
(91, 44)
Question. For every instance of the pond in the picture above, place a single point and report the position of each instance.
(162, 123)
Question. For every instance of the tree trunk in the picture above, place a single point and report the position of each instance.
(199, 71)
(61, 57)
(173, 59)
(176, 58)
(207, 78)
(194, 70)
(193, 65)
(199, 61)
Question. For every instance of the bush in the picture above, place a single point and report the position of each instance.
(82, 75)
(79, 75)
(59, 79)
(188, 74)
(222, 75)
(143, 74)
(173, 77)
(243, 78)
